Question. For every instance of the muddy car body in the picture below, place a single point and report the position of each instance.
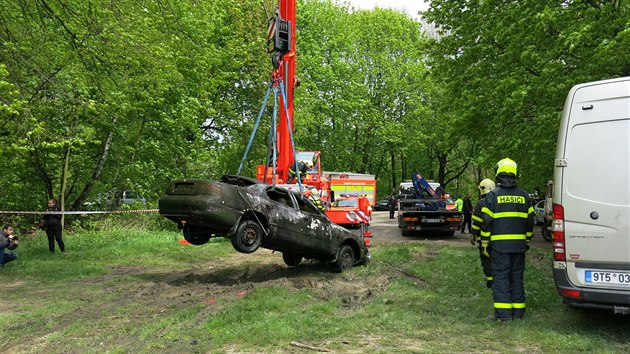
(253, 214)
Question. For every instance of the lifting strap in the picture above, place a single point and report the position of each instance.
(271, 141)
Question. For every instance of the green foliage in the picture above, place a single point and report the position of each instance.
(507, 68)
(102, 95)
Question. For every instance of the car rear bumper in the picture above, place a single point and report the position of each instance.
(604, 299)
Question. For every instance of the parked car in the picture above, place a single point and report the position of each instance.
(253, 214)
(539, 212)
(381, 205)
(114, 199)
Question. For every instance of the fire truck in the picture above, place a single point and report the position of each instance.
(353, 198)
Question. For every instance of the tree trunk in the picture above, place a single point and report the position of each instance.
(64, 182)
(97, 170)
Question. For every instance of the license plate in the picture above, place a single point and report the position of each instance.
(432, 220)
(597, 277)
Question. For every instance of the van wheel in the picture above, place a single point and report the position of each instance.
(196, 235)
(248, 237)
(291, 259)
(345, 259)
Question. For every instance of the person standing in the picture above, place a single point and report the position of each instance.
(506, 229)
(485, 186)
(467, 209)
(53, 227)
(391, 203)
(459, 204)
(6, 239)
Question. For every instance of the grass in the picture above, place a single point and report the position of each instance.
(136, 291)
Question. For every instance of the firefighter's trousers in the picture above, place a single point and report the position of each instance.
(508, 289)
(486, 266)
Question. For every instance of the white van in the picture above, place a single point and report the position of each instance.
(591, 197)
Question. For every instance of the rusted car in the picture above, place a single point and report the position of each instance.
(253, 214)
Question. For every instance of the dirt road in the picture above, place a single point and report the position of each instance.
(386, 230)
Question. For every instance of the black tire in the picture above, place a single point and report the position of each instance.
(196, 235)
(248, 237)
(345, 259)
(546, 233)
(291, 259)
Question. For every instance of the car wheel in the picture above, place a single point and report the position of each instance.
(248, 237)
(196, 235)
(345, 259)
(291, 259)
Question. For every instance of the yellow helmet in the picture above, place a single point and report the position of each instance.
(506, 166)
(309, 164)
(486, 186)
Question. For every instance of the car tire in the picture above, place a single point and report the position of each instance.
(291, 259)
(248, 237)
(196, 235)
(345, 259)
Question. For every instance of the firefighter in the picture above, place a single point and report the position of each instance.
(485, 187)
(506, 229)
(303, 166)
(314, 196)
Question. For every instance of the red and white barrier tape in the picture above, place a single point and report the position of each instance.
(17, 212)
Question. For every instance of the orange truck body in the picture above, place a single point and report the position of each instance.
(354, 195)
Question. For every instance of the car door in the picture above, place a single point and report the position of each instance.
(283, 216)
(315, 236)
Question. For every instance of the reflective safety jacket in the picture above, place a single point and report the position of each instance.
(318, 204)
(507, 217)
(477, 218)
(459, 204)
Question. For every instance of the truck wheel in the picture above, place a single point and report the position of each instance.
(291, 259)
(248, 237)
(196, 235)
(345, 259)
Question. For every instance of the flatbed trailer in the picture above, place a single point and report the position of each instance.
(418, 216)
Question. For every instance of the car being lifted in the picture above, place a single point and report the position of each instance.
(254, 214)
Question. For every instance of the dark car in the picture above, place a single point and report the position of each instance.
(253, 214)
(381, 205)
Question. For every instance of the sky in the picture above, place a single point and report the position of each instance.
(411, 7)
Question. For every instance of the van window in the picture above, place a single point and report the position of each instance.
(599, 151)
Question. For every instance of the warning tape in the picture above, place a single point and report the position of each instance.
(78, 212)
